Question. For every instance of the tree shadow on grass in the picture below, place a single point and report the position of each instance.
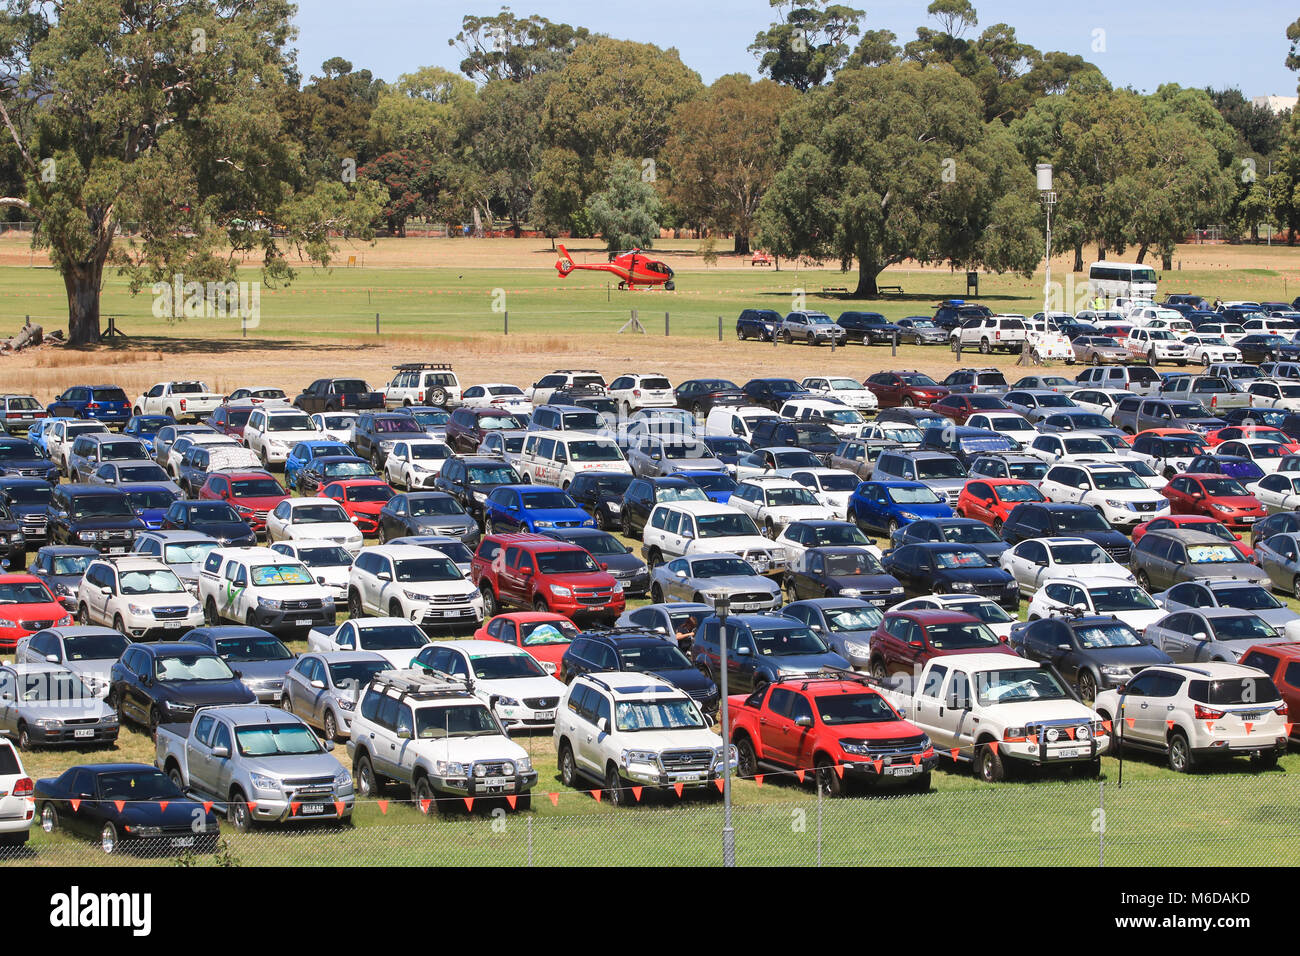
(195, 346)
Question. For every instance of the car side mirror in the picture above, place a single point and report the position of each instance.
(52, 658)
(681, 574)
(1200, 637)
(743, 651)
(603, 725)
(221, 752)
(318, 684)
(384, 576)
(1062, 647)
(915, 643)
(803, 720)
(403, 733)
(106, 591)
(328, 745)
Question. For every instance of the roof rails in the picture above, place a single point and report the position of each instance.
(830, 673)
(417, 684)
(423, 366)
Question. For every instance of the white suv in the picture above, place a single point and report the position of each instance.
(627, 731)
(991, 333)
(423, 383)
(774, 503)
(685, 527)
(1123, 498)
(263, 588)
(844, 421)
(434, 736)
(1194, 712)
(423, 586)
(539, 393)
(415, 464)
(17, 808)
(847, 390)
(272, 430)
(138, 597)
(508, 679)
(634, 392)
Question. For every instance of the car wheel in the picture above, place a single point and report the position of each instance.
(656, 595)
(878, 671)
(286, 702)
(1144, 582)
(488, 526)
(921, 784)
(240, 817)
(368, 783)
(893, 528)
(985, 347)
(1205, 360)
(997, 526)
(354, 605)
(655, 558)
(614, 791)
(746, 759)
(438, 397)
(108, 838)
(422, 791)
(118, 624)
(1087, 686)
(24, 737)
(155, 718)
(1096, 359)
(1181, 759)
(829, 783)
(1151, 358)
(331, 726)
(787, 338)
(988, 765)
(540, 606)
(568, 768)
(395, 608)
(769, 527)
(1295, 585)
(210, 617)
(489, 601)
(83, 615)
(49, 818)
(907, 402)
(266, 462)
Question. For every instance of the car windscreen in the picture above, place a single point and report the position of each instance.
(1016, 685)
(726, 525)
(675, 714)
(101, 506)
(1097, 636)
(426, 569)
(546, 500)
(319, 514)
(141, 473)
(392, 637)
(1078, 519)
(1241, 627)
(543, 633)
(850, 619)
(1224, 487)
(974, 533)
(857, 562)
(269, 575)
(565, 562)
(150, 500)
(29, 494)
(787, 642)
(289, 423)
(912, 496)
(1214, 554)
(837, 709)
(160, 581)
(720, 567)
(195, 667)
(368, 494)
(434, 723)
(331, 556)
(505, 666)
(24, 592)
(434, 505)
(1019, 493)
(137, 785)
(1121, 597)
(960, 635)
(276, 740)
(356, 674)
(252, 648)
(257, 488)
(94, 647)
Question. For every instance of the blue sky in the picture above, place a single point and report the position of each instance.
(1193, 43)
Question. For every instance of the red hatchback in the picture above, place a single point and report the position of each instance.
(361, 498)
(1266, 432)
(1215, 496)
(961, 407)
(991, 499)
(1194, 523)
(893, 389)
(543, 634)
(253, 494)
(27, 606)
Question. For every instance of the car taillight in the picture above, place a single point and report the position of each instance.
(636, 392)
(91, 406)
(1280, 709)
(419, 397)
(24, 787)
(183, 404)
(1205, 713)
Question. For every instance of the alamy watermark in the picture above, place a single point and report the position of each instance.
(179, 299)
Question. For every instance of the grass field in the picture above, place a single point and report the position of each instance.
(444, 310)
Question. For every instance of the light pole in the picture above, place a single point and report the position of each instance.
(721, 607)
(1049, 200)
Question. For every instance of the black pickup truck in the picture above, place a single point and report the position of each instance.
(338, 395)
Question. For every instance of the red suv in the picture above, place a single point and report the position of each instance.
(839, 728)
(1216, 496)
(1282, 663)
(905, 388)
(991, 499)
(905, 640)
(961, 407)
(532, 571)
(361, 498)
(253, 494)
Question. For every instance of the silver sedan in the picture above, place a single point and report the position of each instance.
(701, 577)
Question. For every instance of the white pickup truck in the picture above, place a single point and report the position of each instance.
(991, 709)
(180, 400)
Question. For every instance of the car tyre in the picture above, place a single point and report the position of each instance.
(746, 759)
(1087, 686)
(118, 624)
(49, 818)
(656, 595)
(1144, 581)
(24, 737)
(540, 605)
(369, 784)
(829, 782)
(988, 763)
(489, 600)
(83, 616)
(1295, 585)
(210, 616)
(614, 789)
(331, 725)
(985, 347)
(240, 817)
(568, 768)
(108, 841)
(354, 605)
(1181, 758)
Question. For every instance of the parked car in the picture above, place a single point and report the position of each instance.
(766, 650)
(1092, 652)
(324, 688)
(934, 568)
(1165, 558)
(163, 683)
(531, 571)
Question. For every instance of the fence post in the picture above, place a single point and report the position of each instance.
(530, 841)
(894, 350)
(376, 323)
(507, 315)
(719, 328)
(666, 329)
(1101, 823)
(818, 784)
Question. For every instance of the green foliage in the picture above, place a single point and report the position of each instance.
(627, 213)
(809, 44)
(507, 47)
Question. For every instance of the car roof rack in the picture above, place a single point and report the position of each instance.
(830, 673)
(417, 684)
(423, 366)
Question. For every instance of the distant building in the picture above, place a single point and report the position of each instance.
(1275, 104)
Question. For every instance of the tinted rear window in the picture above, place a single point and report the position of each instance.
(108, 395)
(1238, 690)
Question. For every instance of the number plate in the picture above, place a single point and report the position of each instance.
(83, 732)
(182, 841)
(903, 770)
(495, 781)
(117, 549)
(174, 625)
(687, 777)
(312, 809)
(1248, 519)
(302, 622)
(545, 715)
(1069, 752)
(1252, 715)
(878, 602)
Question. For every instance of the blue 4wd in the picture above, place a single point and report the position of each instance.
(532, 508)
(758, 324)
(887, 505)
(146, 427)
(102, 403)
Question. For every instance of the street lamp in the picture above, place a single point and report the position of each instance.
(721, 607)
(1049, 200)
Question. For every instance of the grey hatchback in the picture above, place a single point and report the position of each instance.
(1164, 558)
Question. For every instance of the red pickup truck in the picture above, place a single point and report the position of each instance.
(532, 571)
(819, 723)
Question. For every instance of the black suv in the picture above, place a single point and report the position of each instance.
(93, 516)
(758, 324)
(377, 432)
(20, 457)
(634, 649)
(216, 519)
(644, 493)
(600, 494)
(951, 313)
(700, 395)
(1046, 520)
(28, 500)
(773, 392)
(154, 684)
(869, 328)
(470, 479)
(815, 437)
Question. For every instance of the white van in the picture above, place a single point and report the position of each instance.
(845, 422)
(555, 458)
(736, 421)
(1122, 280)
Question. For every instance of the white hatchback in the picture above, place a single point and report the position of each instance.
(313, 519)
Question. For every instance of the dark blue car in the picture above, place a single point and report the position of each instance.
(1233, 466)
(150, 502)
(761, 650)
(869, 328)
(758, 324)
(126, 808)
(728, 449)
(102, 403)
(214, 518)
(21, 458)
(145, 427)
(306, 451)
(532, 508)
(888, 505)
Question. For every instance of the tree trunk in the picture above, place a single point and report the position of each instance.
(1101, 252)
(1142, 253)
(82, 281)
(741, 246)
(867, 273)
(1078, 258)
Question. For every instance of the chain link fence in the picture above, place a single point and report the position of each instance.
(1225, 819)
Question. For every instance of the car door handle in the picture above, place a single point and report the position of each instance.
(1144, 706)
(372, 736)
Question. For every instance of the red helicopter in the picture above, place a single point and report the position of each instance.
(632, 268)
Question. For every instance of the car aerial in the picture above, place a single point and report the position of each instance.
(762, 650)
(1069, 596)
(44, 705)
(323, 688)
(1033, 562)
(968, 532)
(217, 519)
(1121, 497)
(413, 583)
(1207, 711)
(314, 518)
(141, 598)
(509, 680)
(888, 505)
(702, 578)
(263, 588)
(1092, 652)
(839, 728)
(543, 634)
(258, 765)
(643, 733)
(932, 568)
(991, 500)
(1165, 558)
(841, 572)
(259, 658)
(162, 683)
(126, 808)
(302, 453)
(1215, 496)
(435, 737)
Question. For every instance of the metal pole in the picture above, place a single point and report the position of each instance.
(376, 323)
(1101, 824)
(894, 350)
(1047, 284)
(530, 841)
(721, 606)
(817, 784)
(666, 328)
(720, 324)
(507, 331)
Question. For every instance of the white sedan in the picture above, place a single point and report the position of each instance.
(1034, 561)
(1093, 595)
(1278, 492)
(395, 639)
(1103, 401)
(298, 519)
(1208, 349)
(503, 395)
(336, 426)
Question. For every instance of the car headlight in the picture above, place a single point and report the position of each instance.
(1110, 671)
(414, 595)
(614, 506)
(963, 586)
(1016, 732)
(507, 701)
(524, 765)
(897, 590)
(849, 592)
(909, 516)
(86, 536)
(857, 650)
(479, 496)
(641, 757)
(343, 780)
(271, 604)
(264, 783)
(1221, 508)
(452, 768)
(1083, 732)
(560, 592)
(618, 587)
(146, 832)
(48, 722)
(855, 747)
(138, 609)
(345, 704)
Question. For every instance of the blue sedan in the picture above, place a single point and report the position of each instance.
(888, 505)
(306, 451)
(532, 508)
(146, 427)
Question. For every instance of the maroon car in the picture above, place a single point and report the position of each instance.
(905, 388)
(231, 419)
(961, 407)
(253, 494)
(906, 640)
(468, 426)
